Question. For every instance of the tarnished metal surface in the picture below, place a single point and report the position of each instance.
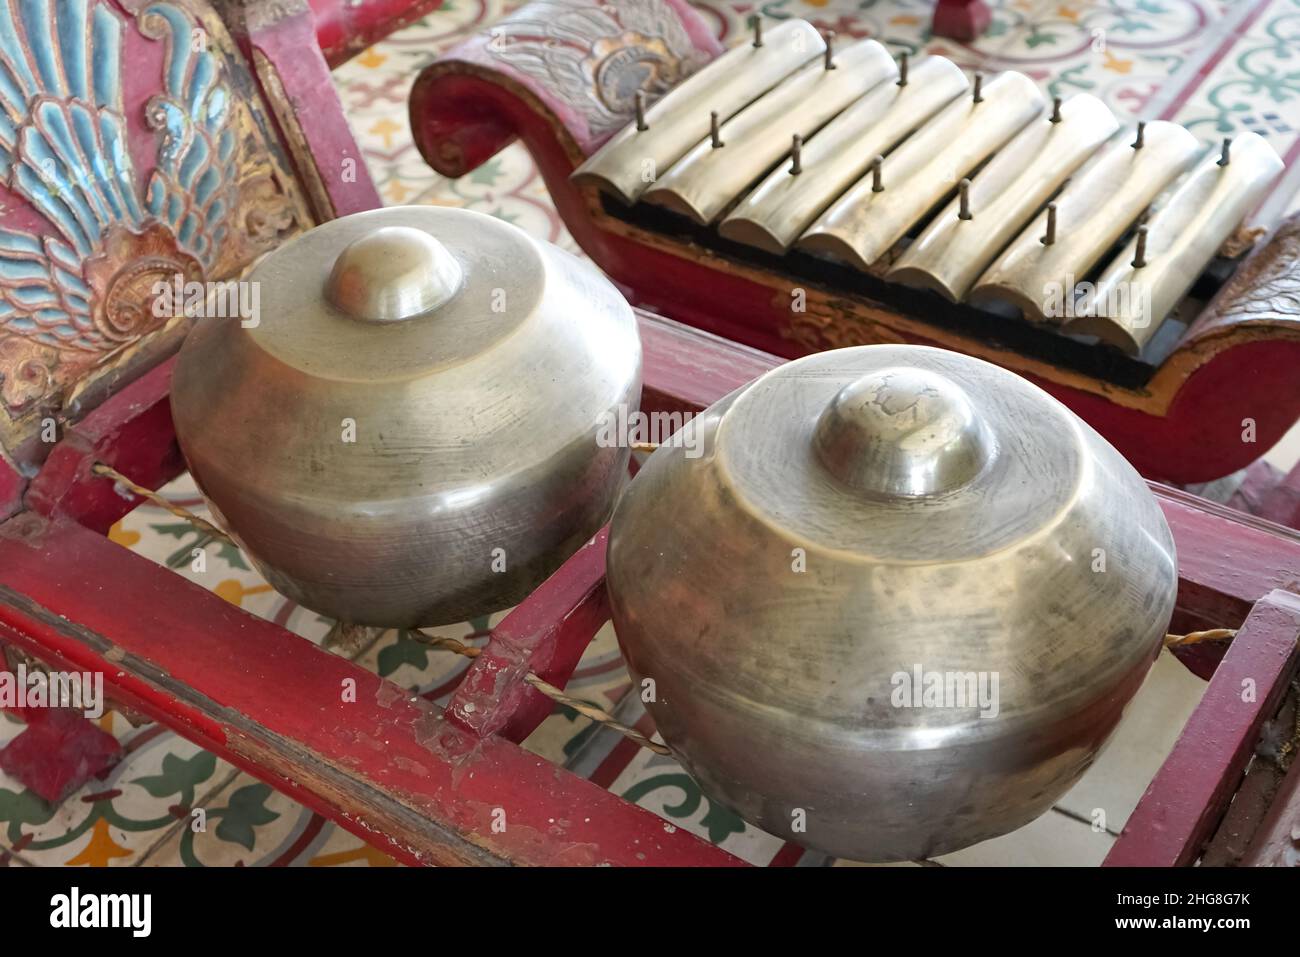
(708, 178)
(438, 380)
(783, 206)
(866, 222)
(862, 517)
(634, 158)
(952, 252)
(1092, 213)
(1127, 303)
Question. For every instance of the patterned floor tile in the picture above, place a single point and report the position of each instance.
(117, 819)
(248, 824)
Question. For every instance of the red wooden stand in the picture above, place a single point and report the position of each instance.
(346, 27)
(269, 701)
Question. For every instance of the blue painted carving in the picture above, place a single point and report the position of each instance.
(79, 295)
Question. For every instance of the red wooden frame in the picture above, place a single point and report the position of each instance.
(426, 785)
(1184, 802)
(346, 27)
(280, 42)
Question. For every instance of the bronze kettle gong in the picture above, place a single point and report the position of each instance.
(895, 601)
(407, 435)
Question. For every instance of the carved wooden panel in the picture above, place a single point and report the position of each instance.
(133, 150)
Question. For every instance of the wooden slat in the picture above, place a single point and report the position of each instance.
(1186, 799)
(386, 765)
(545, 634)
(131, 431)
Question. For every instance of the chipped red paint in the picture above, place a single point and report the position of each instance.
(545, 634)
(58, 752)
(132, 432)
(387, 766)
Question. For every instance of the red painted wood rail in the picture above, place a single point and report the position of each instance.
(427, 785)
(346, 27)
(1184, 802)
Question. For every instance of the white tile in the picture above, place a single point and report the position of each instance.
(1053, 840)
(1286, 453)
(1153, 722)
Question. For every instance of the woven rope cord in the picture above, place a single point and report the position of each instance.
(580, 705)
(107, 471)
(583, 707)
(1196, 637)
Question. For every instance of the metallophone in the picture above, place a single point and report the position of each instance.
(268, 701)
(798, 195)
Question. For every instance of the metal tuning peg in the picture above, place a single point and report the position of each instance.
(1049, 238)
(925, 170)
(950, 254)
(1140, 255)
(774, 214)
(1100, 206)
(707, 180)
(641, 125)
(728, 84)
